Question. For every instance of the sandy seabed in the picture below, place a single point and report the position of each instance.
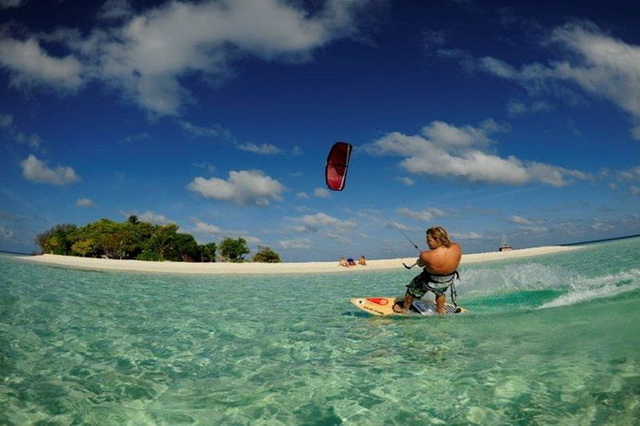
(269, 268)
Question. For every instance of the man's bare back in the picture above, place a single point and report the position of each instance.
(441, 260)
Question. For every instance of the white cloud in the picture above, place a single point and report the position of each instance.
(321, 193)
(244, 187)
(397, 226)
(599, 64)
(519, 220)
(115, 9)
(629, 175)
(516, 108)
(33, 141)
(215, 131)
(406, 181)
(528, 224)
(468, 236)
(29, 65)
(154, 218)
(206, 228)
(296, 243)
(84, 202)
(321, 222)
(464, 152)
(423, 215)
(146, 55)
(262, 149)
(37, 171)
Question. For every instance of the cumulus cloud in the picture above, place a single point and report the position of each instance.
(37, 171)
(244, 187)
(29, 65)
(146, 54)
(445, 150)
(154, 218)
(207, 228)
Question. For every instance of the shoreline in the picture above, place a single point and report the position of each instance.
(252, 268)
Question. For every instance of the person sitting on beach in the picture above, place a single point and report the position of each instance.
(342, 262)
(351, 261)
(362, 261)
(440, 268)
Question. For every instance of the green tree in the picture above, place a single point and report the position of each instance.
(133, 239)
(185, 248)
(141, 233)
(112, 239)
(234, 250)
(58, 240)
(208, 252)
(266, 255)
(161, 242)
(84, 247)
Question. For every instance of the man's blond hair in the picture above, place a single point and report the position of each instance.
(439, 234)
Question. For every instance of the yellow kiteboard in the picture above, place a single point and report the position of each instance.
(384, 306)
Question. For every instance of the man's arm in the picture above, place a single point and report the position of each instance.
(423, 259)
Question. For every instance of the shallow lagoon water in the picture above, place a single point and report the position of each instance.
(549, 340)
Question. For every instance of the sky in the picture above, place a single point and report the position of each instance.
(495, 119)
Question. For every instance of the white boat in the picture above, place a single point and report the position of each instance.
(505, 245)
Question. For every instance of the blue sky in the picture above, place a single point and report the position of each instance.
(489, 118)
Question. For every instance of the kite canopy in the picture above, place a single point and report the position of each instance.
(337, 164)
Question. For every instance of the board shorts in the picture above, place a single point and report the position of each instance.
(434, 283)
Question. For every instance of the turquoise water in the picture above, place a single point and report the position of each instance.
(549, 340)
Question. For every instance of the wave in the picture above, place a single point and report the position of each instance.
(538, 286)
(485, 281)
(597, 288)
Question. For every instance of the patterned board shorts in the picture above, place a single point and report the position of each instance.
(425, 282)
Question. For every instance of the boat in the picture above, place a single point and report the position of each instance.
(505, 245)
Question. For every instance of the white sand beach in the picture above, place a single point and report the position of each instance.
(269, 268)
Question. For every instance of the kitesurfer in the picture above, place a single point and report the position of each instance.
(440, 268)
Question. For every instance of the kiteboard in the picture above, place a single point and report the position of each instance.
(383, 306)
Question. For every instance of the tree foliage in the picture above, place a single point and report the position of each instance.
(266, 255)
(134, 239)
(234, 250)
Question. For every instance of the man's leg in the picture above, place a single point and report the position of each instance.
(406, 304)
(440, 299)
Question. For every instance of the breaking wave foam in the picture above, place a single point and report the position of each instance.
(598, 288)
